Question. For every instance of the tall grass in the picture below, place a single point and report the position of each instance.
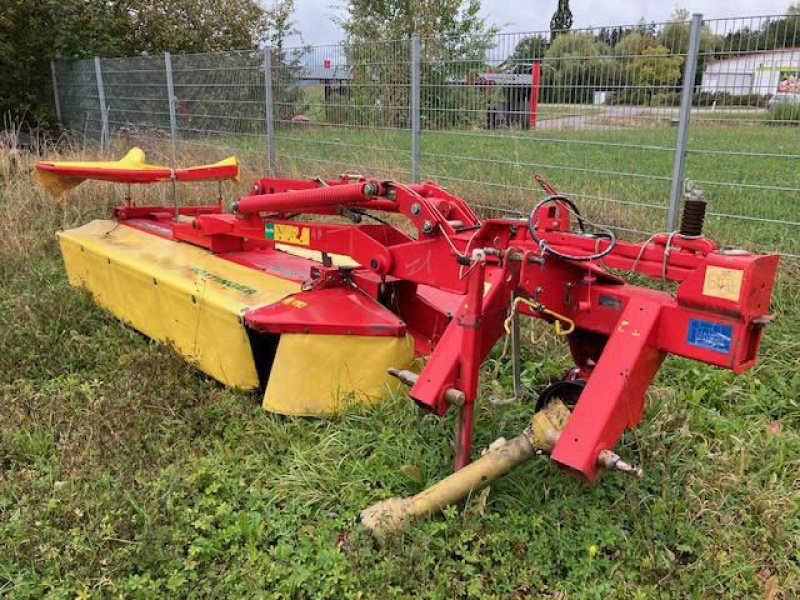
(785, 113)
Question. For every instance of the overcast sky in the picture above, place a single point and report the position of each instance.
(314, 18)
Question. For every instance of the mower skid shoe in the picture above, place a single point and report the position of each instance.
(175, 293)
(319, 375)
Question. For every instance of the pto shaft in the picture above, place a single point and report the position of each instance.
(393, 514)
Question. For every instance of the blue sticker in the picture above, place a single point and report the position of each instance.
(710, 335)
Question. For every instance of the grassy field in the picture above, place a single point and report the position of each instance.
(126, 473)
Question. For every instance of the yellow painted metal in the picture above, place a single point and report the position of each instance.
(393, 514)
(317, 375)
(57, 183)
(174, 292)
(338, 260)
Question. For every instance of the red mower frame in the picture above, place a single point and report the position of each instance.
(456, 284)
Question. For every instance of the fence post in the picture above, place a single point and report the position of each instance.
(415, 120)
(55, 92)
(101, 96)
(269, 117)
(679, 162)
(173, 121)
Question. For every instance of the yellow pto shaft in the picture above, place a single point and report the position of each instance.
(393, 515)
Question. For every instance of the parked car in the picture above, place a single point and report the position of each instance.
(783, 98)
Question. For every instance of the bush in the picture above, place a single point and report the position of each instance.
(666, 99)
(728, 99)
(635, 96)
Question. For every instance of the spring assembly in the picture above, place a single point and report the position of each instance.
(694, 212)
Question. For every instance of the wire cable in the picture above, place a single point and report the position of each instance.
(603, 232)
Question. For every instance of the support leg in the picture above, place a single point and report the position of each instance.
(463, 435)
(470, 363)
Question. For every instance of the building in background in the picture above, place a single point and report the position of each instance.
(763, 72)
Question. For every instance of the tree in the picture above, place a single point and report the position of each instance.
(675, 35)
(634, 44)
(772, 34)
(578, 65)
(452, 28)
(455, 41)
(287, 63)
(32, 32)
(575, 46)
(561, 21)
(182, 26)
(654, 71)
(528, 50)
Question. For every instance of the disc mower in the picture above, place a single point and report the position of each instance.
(326, 293)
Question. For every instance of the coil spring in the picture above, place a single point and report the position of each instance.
(694, 214)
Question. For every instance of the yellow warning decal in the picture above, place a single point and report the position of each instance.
(294, 302)
(721, 282)
(293, 234)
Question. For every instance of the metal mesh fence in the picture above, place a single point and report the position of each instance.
(617, 117)
(582, 108)
(78, 101)
(219, 107)
(744, 149)
(342, 108)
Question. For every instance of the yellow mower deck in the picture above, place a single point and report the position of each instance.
(186, 296)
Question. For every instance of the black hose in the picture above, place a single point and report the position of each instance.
(543, 245)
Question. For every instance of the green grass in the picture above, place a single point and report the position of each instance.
(126, 473)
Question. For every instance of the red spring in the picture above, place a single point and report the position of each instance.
(300, 200)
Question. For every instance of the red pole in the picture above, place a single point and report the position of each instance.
(536, 72)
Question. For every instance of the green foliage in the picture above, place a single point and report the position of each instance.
(575, 66)
(634, 44)
(288, 96)
(453, 29)
(575, 45)
(675, 36)
(722, 99)
(455, 39)
(561, 20)
(665, 99)
(32, 32)
(197, 26)
(782, 32)
(528, 49)
(654, 68)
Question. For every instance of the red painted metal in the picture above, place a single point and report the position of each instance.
(536, 74)
(331, 310)
(307, 200)
(448, 280)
